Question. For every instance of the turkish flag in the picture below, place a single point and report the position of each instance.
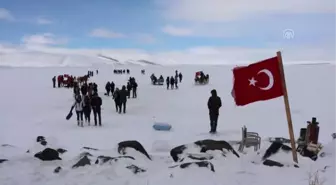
(257, 82)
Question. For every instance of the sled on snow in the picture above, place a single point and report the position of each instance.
(156, 81)
(201, 78)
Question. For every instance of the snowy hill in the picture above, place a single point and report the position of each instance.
(23, 57)
(31, 108)
(31, 58)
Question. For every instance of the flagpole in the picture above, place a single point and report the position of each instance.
(288, 112)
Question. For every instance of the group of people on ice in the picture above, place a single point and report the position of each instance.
(120, 96)
(69, 81)
(87, 99)
(170, 80)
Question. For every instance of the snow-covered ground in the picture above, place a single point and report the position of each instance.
(31, 107)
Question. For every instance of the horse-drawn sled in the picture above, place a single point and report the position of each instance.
(157, 81)
(201, 78)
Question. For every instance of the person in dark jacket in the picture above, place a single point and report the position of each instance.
(134, 89)
(108, 88)
(84, 89)
(95, 88)
(172, 82)
(123, 93)
(214, 104)
(116, 97)
(129, 88)
(87, 108)
(112, 87)
(167, 82)
(54, 81)
(180, 77)
(96, 103)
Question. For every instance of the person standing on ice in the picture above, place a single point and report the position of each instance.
(54, 81)
(78, 105)
(172, 82)
(167, 82)
(123, 93)
(116, 97)
(180, 77)
(87, 107)
(214, 104)
(96, 103)
(112, 86)
(108, 88)
(134, 88)
(129, 88)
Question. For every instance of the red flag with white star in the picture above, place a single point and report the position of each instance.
(257, 82)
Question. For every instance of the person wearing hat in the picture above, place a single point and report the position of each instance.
(214, 104)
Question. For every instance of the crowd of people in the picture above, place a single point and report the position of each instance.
(87, 99)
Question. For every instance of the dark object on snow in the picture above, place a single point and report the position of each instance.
(57, 170)
(3, 160)
(89, 148)
(85, 154)
(201, 164)
(201, 158)
(333, 135)
(303, 150)
(103, 159)
(135, 169)
(43, 143)
(7, 145)
(204, 145)
(40, 138)
(132, 144)
(82, 162)
(69, 114)
(209, 144)
(48, 154)
(177, 151)
(268, 162)
(274, 148)
(61, 150)
(278, 139)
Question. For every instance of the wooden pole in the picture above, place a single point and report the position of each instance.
(288, 112)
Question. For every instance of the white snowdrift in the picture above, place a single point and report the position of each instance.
(39, 59)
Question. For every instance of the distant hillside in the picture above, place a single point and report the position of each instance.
(147, 62)
(109, 58)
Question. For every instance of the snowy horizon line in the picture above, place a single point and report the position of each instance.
(20, 56)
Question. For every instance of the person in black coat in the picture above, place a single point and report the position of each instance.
(180, 77)
(123, 93)
(129, 88)
(96, 103)
(134, 89)
(172, 82)
(112, 87)
(108, 88)
(84, 89)
(167, 82)
(54, 81)
(214, 104)
(116, 97)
